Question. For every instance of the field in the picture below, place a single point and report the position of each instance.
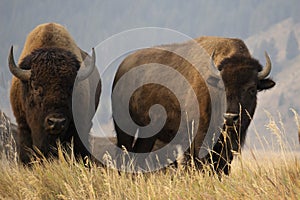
(255, 174)
(269, 177)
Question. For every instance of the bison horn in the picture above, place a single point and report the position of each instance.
(267, 69)
(212, 64)
(21, 74)
(85, 72)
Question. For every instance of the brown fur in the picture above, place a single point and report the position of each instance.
(50, 35)
(238, 72)
(54, 59)
(223, 47)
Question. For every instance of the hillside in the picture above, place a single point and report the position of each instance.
(285, 96)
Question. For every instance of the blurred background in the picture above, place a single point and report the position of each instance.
(269, 25)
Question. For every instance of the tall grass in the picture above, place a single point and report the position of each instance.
(256, 174)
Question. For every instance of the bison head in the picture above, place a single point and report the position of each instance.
(243, 78)
(47, 76)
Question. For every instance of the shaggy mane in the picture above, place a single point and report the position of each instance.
(54, 55)
(240, 60)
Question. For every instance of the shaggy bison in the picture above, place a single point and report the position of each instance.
(50, 69)
(224, 61)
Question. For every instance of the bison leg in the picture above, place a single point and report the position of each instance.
(222, 156)
(124, 140)
(24, 143)
(144, 145)
(80, 148)
(141, 147)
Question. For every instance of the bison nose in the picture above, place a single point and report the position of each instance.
(55, 124)
(230, 118)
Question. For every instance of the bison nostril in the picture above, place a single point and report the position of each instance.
(235, 118)
(231, 118)
(55, 123)
(50, 122)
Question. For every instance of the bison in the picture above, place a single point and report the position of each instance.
(52, 69)
(222, 75)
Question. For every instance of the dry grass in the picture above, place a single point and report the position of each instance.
(272, 177)
(255, 175)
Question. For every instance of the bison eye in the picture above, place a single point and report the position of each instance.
(252, 91)
(213, 81)
(36, 90)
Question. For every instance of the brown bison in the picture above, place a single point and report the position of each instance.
(51, 68)
(230, 70)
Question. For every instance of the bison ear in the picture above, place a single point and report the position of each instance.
(213, 81)
(265, 84)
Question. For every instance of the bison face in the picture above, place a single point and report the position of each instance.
(47, 95)
(243, 77)
(48, 108)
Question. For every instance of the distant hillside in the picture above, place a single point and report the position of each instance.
(275, 37)
(286, 94)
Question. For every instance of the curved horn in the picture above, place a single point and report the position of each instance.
(21, 74)
(213, 68)
(85, 72)
(267, 69)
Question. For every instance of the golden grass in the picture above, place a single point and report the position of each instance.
(255, 175)
(252, 177)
